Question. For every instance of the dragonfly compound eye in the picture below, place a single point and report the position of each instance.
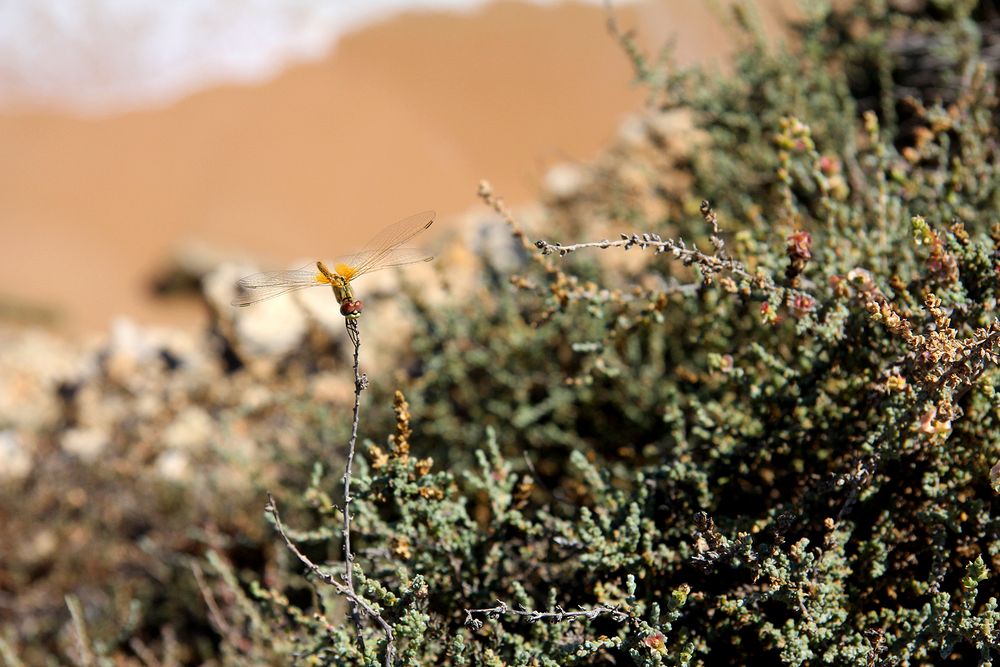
(349, 307)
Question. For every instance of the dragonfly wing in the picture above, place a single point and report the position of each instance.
(262, 286)
(375, 261)
(402, 257)
(377, 253)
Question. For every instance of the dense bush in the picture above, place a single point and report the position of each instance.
(768, 440)
(764, 435)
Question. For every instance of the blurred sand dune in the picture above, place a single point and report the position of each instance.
(402, 116)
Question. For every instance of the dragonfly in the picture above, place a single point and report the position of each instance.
(385, 250)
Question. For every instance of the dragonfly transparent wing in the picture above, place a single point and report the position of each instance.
(385, 260)
(262, 286)
(385, 249)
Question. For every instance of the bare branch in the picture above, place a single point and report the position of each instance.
(360, 382)
(709, 264)
(327, 578)
(534, 616)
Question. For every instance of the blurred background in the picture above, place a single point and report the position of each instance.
(137, 136)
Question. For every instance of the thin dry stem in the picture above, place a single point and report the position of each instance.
(87, 658)
(359, 385)
(495, 202)
(9, 656)
(710, 264)
(358, 604)
(560, 285)
(534, 616)
(215, 615)
(357, 601)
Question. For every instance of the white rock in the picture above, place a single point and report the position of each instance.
(255, 397)
(32, 364)
(87, 444)
(565, 180)
(676, 131)
(219, 285)
(173, 466)
(130, 340)
(632, 131)
(491, 238)
(272, 328)
(192, 430)
(15, 456)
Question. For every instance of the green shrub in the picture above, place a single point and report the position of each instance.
(771, 441)
(770, 438)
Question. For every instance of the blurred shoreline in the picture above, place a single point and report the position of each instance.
(403, 115)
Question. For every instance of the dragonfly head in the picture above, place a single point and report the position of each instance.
(351, 308)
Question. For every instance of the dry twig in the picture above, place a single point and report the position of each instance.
(358, 604)
(534, 616)
(327, 578)
(360, 382)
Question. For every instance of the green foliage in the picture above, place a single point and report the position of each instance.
(776, 450)
(770, 440)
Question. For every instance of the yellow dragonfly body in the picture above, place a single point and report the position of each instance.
(385, 250)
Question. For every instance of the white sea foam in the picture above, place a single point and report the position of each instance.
(99, 56)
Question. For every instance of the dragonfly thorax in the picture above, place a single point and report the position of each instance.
(350, 307)
(345, 271)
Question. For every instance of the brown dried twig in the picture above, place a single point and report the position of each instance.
(710, 265)
(360, 382)
(346, 588)
(559, 283)
(534, 616)
(357, 601)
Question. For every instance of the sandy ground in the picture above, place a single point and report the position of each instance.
(402, 116)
